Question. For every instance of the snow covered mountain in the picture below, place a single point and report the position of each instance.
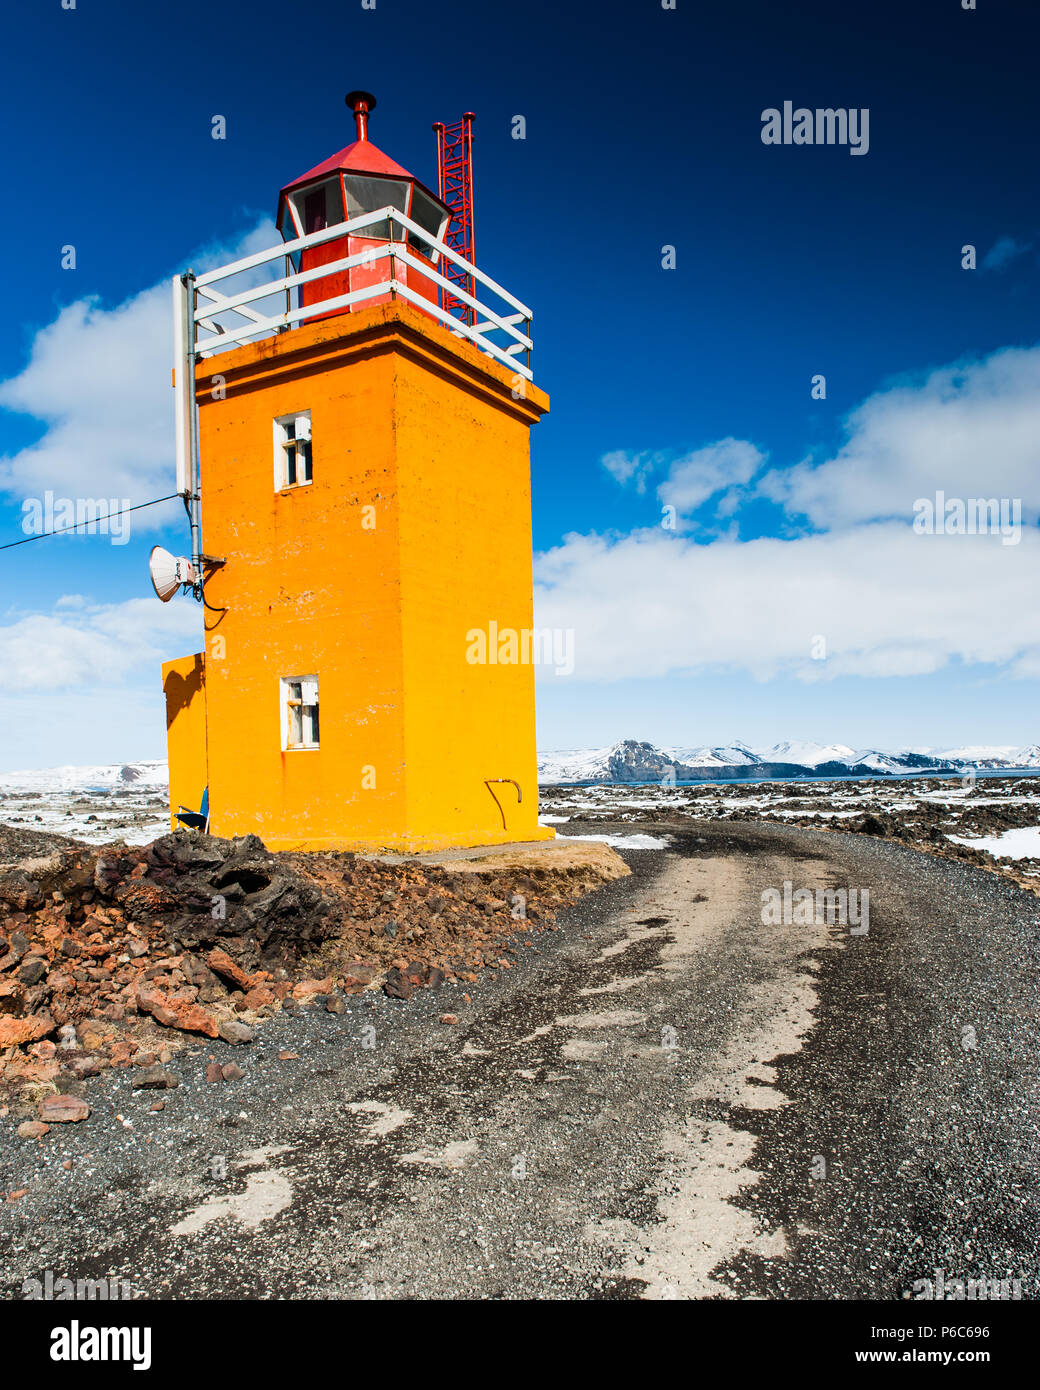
(730, 755)
(633, 761)
(811, 754)
(627, 761)
(1003, 755)
(587, 765)
(111, 777)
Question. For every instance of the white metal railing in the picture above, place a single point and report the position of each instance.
(501, 330)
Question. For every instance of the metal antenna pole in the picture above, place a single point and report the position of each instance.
(455, 188)
(195, 500)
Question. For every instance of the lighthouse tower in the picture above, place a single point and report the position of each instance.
(360, 480)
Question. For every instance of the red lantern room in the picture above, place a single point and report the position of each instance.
(359, 179)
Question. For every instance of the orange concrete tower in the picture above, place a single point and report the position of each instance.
(362, 474)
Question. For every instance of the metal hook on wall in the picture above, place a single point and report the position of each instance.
(494, 798)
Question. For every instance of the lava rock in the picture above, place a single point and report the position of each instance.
(22, 1030)
(33, 970)
(176, 1013)
(234, 1032)
(20, 891)
(63, 1109)
(155, 1079)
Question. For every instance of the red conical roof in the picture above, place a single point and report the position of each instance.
(360, 157)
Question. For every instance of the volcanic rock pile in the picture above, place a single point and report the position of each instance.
(115, 956)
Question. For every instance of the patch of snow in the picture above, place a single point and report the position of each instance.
(626, 841)
(94, 803)
(1021, 843)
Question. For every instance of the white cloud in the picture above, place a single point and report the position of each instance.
(727, 464)
(1003, 251)
(98, 379)
(95, 644)
(887, 601)
(969, 429)
(625, 467)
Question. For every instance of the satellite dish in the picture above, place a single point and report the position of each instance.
(169, 572)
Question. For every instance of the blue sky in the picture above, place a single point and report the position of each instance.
(793, 514)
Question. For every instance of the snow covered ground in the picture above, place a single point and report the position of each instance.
(996, 813)
(128, 801)
(114, 776)
(1021, 843)
(627, 841)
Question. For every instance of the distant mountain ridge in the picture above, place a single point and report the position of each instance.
(136, 776)
(634, 761)
(627, 761)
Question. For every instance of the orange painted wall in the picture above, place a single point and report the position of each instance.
(466, 559)
(184, 685)
(419, 428)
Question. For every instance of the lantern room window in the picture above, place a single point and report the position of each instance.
(430, 216)
(299, 712)
(366, 193)
(292, 451)
(314, 219)
(311, 209)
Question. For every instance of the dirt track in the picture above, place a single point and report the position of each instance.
(638, 1109)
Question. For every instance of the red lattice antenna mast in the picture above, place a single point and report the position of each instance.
(455, 186)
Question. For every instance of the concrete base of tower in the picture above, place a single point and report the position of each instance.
(428, 843)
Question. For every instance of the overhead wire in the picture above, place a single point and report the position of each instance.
(67, 530)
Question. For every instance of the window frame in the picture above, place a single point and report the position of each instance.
(286, 444)
(309, 723)
(417, 243)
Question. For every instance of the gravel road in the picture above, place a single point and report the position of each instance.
(666, 1098)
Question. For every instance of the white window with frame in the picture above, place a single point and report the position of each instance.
(299, 701)
(292, 451)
